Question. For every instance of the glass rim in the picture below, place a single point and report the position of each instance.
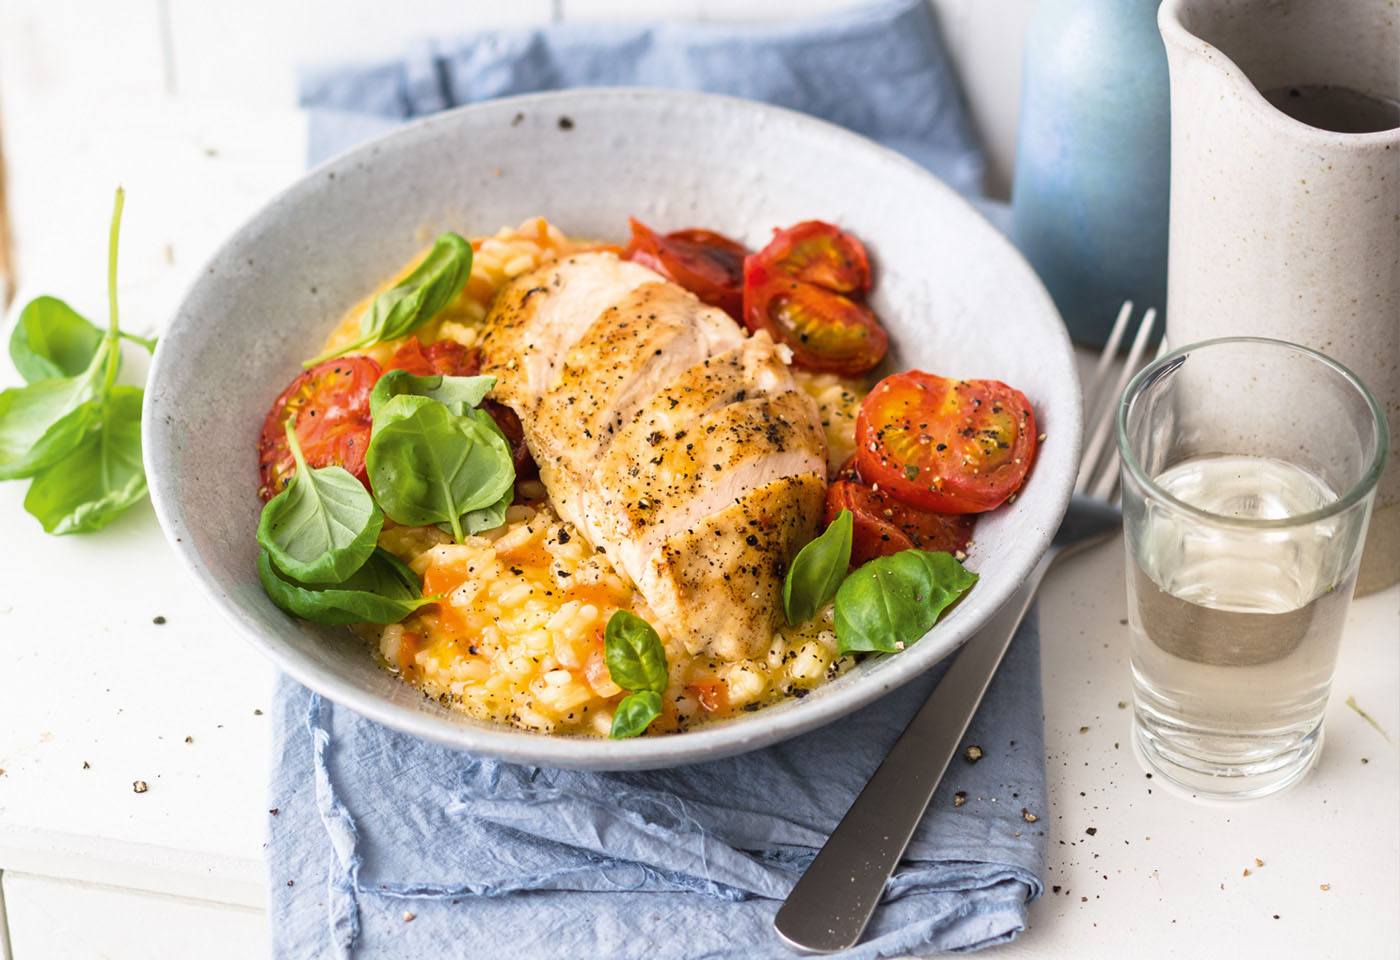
(1359, 490)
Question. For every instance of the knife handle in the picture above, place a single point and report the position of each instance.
(832, 901)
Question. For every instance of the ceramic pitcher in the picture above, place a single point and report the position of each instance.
(1284, 228)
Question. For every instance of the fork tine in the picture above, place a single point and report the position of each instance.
(1094, 390)
(1110, 485)
(1108, 474)
(1093, 396)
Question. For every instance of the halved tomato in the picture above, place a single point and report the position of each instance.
(708, 264)
(884, 525)
(826, 330)
(329, 405)
(451, 359)
(525, 466)
(447, 357)
(821, 253)
(950, 446)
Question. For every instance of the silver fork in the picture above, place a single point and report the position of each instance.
(831, 903)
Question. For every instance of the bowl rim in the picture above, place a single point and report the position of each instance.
(709, 741)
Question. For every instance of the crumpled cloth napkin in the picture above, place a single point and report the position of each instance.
(383, 845)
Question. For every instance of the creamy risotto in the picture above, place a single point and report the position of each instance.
(518, 637)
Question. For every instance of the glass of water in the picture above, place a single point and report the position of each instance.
(1249, 470)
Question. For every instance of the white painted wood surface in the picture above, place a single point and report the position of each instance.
(187, 104)
(62, 920)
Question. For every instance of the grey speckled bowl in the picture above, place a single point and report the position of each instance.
(955, 296)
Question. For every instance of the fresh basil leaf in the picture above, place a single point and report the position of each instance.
(634, 714)
(892, 601)
(488, 518)
(818, 569)
(428, 465)
(416, 299)
(52, 340)
(633, 652)
(99, 479)
(323, 526)
(44, 422)
(384, 590)
(459, 394)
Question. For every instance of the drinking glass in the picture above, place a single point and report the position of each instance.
(1249, 471)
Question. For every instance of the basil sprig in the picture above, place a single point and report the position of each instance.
(637, 663)
(429, 465)
(892, 601)
(818, 570)
(415, 300)
(383, 590)
(71, 429)
(323, 526)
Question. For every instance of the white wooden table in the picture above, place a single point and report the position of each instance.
(95, 695)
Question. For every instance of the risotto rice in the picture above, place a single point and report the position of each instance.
(518, 635)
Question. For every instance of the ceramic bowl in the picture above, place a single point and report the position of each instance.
(954, 295)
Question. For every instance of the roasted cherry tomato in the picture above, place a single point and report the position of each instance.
(826, 330)
(883, 525)
(950, 446)
(525, 467)
(330, 407)
(447, 357)
(709, 265)
(821, 253)
(451, 359)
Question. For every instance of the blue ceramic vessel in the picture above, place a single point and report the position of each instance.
(1089, 198)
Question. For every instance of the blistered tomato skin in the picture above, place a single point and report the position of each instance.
(708, 264)
(329, 407)
(883, 525)
(950, 446)
(447, 357)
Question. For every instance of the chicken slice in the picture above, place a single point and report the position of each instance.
(677, 446)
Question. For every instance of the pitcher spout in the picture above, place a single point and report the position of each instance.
(1330, 65)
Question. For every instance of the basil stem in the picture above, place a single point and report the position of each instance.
(413, 301)
(892, 601)
(323, 526)
(818, 570)
(384, 590)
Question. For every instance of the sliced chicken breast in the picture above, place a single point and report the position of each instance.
(678, 446)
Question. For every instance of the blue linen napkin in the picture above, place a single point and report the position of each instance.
(370, 827)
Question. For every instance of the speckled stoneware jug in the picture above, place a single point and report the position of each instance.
(1285, 194)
